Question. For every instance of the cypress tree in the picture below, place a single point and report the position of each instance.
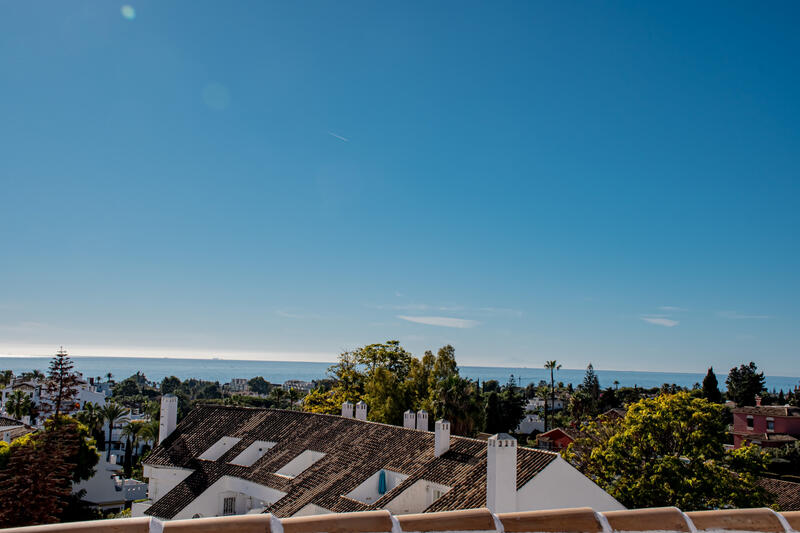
(711, 387)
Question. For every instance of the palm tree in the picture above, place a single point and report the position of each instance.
(132, 433)
(92, 416)
(111, 412)
(150, 432)
(109, 376)
(37, 375)
(552, 366)
(6, 377)
(18, 404)
(616, 385)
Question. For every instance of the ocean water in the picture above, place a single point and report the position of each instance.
(223, 370)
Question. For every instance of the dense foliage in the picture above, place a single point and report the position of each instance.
(391, 380)
(668, 451)
(744, 383)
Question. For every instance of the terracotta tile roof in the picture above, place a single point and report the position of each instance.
(580, 520)
(769, 410)
(768, 437)
(787, 494)
(355, 450)
(16, 432)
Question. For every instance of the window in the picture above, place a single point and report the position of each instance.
(229, 506)
(749, 422)
(770, 424)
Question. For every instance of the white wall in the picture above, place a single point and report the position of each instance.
(416, 498)
(367, 492)
(249, 495)
(101, 488)
(561, 486)
(162, 480)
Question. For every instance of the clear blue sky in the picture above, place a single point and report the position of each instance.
(582, 181)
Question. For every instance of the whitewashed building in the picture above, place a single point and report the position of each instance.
(232, 460)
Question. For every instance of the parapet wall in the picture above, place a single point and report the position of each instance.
(579, 520)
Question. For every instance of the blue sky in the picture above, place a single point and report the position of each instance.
(585, 181)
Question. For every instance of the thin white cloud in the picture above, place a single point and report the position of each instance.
(671, 308)
(447, 322)
(287, 314)
(345, 139)
(733, 315)
(660, 321)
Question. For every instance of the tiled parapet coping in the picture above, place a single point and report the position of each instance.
(578, 520)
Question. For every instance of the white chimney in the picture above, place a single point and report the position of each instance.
(361, 410)
(169, 416)
(501, 473)
(26, 419)
(409, 419)
(441, 438)
(347, 410)
(422, 420)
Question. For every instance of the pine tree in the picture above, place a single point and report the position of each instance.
(711, 387)
(590, 382)
(744, 383)
(36, 483)
(62, 382)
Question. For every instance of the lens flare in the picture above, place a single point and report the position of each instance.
(128, 12)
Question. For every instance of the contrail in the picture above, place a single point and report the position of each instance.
(345, 139)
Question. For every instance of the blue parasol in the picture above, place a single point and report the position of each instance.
(382, 482)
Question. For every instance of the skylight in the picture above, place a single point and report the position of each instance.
(219, 448)
(300, 463)
(253, 453)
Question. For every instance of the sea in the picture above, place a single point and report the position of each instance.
(223, 370)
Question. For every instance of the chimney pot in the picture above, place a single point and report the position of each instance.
(361, 411)
(758, 401)
(169, 416)
(422, 420)
(347, 410)
(409, 419)
(441, 438)
(501, 473)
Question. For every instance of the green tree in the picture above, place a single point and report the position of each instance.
(711, 387)
(458, 401)
(590, 383)
(512, 406)
(62, 383)
(132, 433)
(259, 385)
(552, 366)
(18, 404)
(494, 415)
(92, 417)
(744, 383)
(111, 413)
(6, 377)
(669, 451)
(170, 385)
